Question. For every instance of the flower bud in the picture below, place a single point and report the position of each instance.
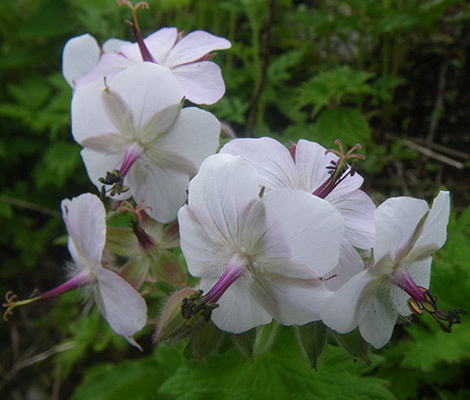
(172, 326)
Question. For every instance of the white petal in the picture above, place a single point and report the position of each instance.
(163, 190)
(194, 136)
(194, 46)
(146, 88)
(114, 45)
(358, 212)
(396, 220)
(222, 192)
(203, 256)
(107, 68)
(434, 233)
(302, 234)
(201, 82)
(272, 161)
(377, 326)
(119, 303)
(350, 263)
(292, 301)
(89, 117)
(346, 308)
(238, 311)
(80, 56)
(85, 218)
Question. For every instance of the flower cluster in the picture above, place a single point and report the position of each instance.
(272, 232)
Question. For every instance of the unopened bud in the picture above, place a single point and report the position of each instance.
(172, 326)
(166, 267)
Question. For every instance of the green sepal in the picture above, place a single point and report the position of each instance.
(265, 336)
(246, 342)
(354, 344)
(166, 267)
(205, 339)
(312, 338)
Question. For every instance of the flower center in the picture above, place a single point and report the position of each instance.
(338, 170)
(198, 305)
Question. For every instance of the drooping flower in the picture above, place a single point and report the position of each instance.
(259, 258)
(309, 167)
(135, 127)
(186, 56)
(408, 234)
(118, 302)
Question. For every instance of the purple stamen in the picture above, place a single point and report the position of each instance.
(133, 153)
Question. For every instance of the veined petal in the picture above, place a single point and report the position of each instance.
(107, 68)
(146, 89)
(201, 82)
(395, 221)
(377, 326)
(120, 304)
(358, 212)
(302, 234)
(194, 136)
(205, 257)
(162, 189)
(292, 301)
(272, 161)
(194, 46)
(80, 56)
(345, 309)
(238, 311)
(85, 218)
(222, 193)
(434, 232)
(89, 117)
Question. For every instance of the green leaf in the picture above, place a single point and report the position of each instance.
(354, 344)
(246, 342)
(280, 374)
(312, 339)
(347, 124)
(265, 336)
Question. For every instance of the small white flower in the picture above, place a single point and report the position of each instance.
(260, 257)
(408, 234)
(186, 56)
(136, 126)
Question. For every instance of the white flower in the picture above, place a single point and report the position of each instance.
(307, 168)
(136, 125)
(118, 302)
(260, 257)
(408, 234)
(187, 57)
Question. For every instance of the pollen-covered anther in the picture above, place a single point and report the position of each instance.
(115, 179)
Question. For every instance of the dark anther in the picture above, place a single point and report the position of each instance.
(195, 306)
(112, 178)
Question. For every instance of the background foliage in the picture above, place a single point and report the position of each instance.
(391, 74)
